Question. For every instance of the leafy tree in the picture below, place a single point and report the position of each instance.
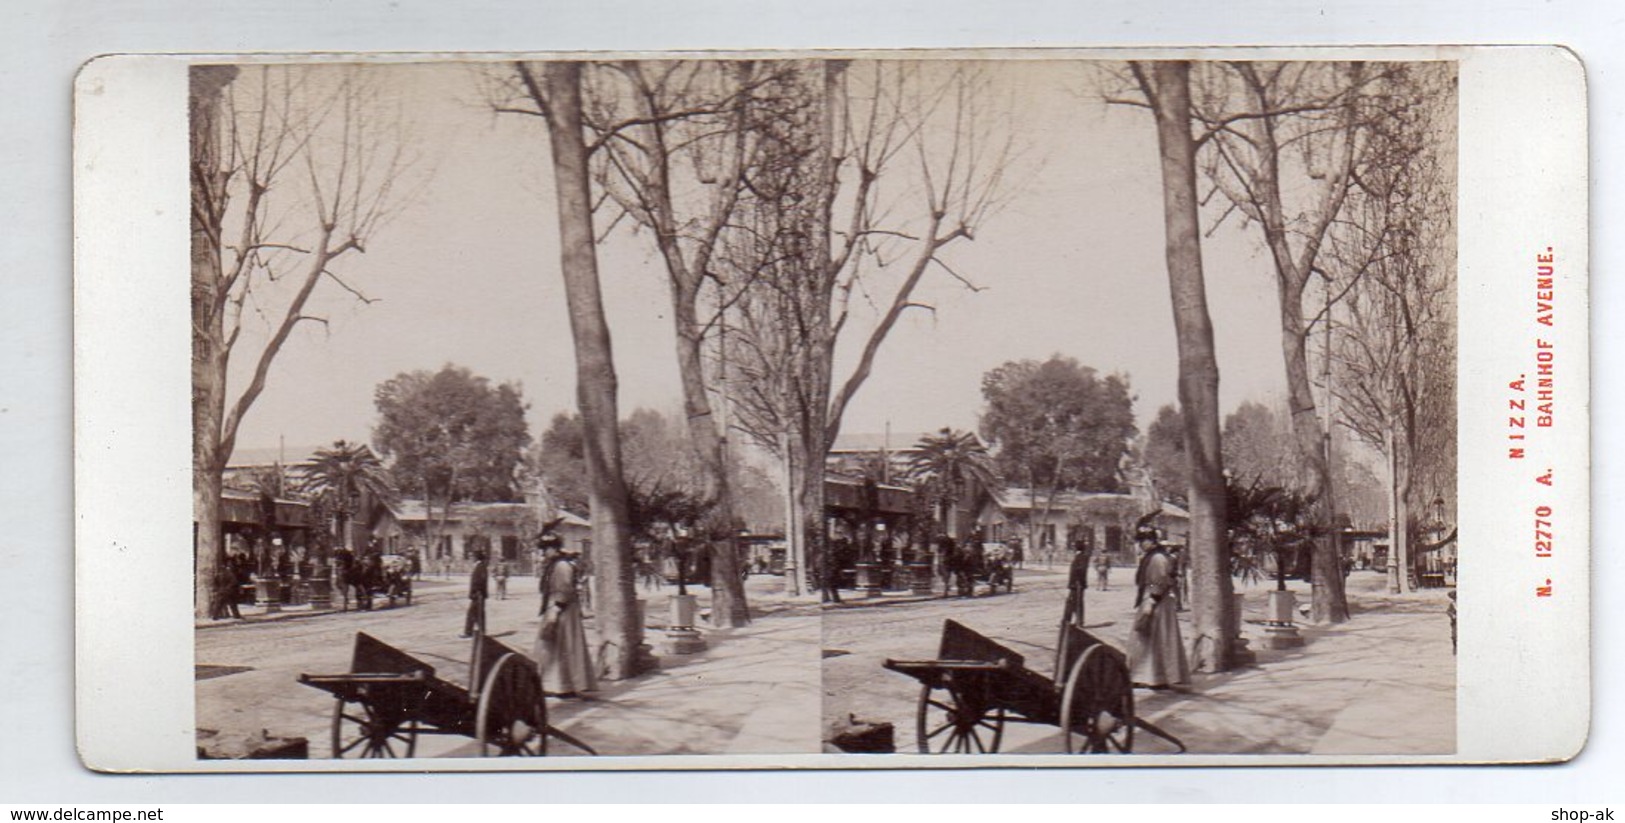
(1267, 519)
(341, 477)
(450, 435)
(1164, 454)
(559, 462)
(663, 472)
(1258, 447)
(1057, 424)
(949, 465)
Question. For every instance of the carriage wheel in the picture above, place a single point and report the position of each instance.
(1097, 705)
(948, 724)
(365, 730)
(511, 720)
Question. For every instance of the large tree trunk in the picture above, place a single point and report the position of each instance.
(614, 597)
(728, 606)
(208, 334)
(1328, 602)
(814, 524)
(1212, 604)
(1292, 275)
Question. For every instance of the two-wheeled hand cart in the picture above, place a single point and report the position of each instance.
(389, 698)
(976, 686)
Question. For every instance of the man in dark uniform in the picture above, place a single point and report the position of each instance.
(1077, 584)
(478, 591)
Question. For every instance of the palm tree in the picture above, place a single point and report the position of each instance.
(945, 464)
(342, 475)
(274, 481)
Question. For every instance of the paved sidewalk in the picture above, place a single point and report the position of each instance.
(1383, 683)
(754, 690)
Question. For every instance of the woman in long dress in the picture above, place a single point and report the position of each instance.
(1156, 651)
(561, 642)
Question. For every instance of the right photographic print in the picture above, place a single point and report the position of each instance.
(1156, 448)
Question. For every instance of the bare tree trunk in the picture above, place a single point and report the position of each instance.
(1326, 568)
(1399, 479)
(1212, 606)
(614, 596)
(814, 528)
(209, 350)
(795, 554)
(728, 606)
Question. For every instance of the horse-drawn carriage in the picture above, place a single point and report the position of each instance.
(976, 685)
(387, 576)
(395, 580)
(389, 698)
(992, 564)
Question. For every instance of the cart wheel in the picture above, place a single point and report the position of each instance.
(948, 724)
(511, 720)
(1097, 705)
(364, 730)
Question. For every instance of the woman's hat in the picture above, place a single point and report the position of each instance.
(1146, 533)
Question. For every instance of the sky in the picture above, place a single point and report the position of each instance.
(467, 272)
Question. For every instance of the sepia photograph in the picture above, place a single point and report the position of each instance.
(795, 405)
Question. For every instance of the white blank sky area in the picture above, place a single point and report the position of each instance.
(468, 273)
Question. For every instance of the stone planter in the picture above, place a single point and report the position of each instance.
(321, 593)
(869, 579)
(681, 636)
(921, 580)
(268, 594)
(1280, 632)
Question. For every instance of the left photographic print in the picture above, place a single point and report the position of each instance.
(435, 514)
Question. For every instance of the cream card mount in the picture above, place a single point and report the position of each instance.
(1168, 406)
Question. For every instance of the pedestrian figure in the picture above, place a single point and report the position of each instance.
(562, 653)
(370, 572)
(1103, 569)
(970, 562)
(478, 591)
(225, 592)
(1156, 651)
(502, 579)
(945, 563)
(343, 562)
(414, 564)
(649, 569)
(1077, 585)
